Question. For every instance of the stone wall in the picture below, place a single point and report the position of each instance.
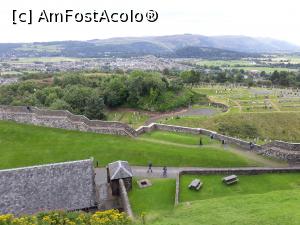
(220, 105)
(124, 199)
(64, 119)
(284, 145)
(283, 150)
(229, 171)
(68, 185)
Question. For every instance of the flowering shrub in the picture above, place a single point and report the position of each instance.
(109, 217)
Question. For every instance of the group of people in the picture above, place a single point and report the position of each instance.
(164, 172)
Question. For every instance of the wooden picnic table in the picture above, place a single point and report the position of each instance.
(230, 179)
(195, 184)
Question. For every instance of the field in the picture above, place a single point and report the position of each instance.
(39, 145)
(250, 65)
(255, 107)
(255, 184)
(285, 128)
(272, 208)
(145, 200)
(186, 139)
(256, 199)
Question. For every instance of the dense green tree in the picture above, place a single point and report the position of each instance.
(94, 108)
(116, 92)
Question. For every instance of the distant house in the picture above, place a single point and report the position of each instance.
(67, 185)
(116, 171)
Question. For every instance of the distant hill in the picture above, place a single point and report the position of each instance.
(186, 45)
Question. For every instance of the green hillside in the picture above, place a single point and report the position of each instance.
(279, 125)
(273, 208)
(25, 145)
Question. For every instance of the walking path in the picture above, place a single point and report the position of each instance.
(274, 105)
(235, 149)
(157, 172)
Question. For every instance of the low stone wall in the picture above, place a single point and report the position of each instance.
(124, 199)
(220, 105)
(64, 119)
(284, 145)
(293, 157)
(289, 152)
(229, 171)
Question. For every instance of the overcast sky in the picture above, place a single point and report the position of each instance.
(278, 19)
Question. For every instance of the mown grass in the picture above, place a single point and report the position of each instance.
(213, 187)
(180, 138)
(25, 145)
(272, 208)
(156, 199)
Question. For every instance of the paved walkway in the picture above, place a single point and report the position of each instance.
(141, 171)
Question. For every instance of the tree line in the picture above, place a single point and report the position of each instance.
(91, 95)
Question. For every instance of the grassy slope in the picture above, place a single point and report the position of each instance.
(180, 138)
(145, 200)
(273, 208)
(256, 184)
(24, 145)
(282, 126)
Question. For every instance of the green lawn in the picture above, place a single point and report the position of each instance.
(157, 199)
(180, 138)
(24, 145)
(254, 184)
(273, 208)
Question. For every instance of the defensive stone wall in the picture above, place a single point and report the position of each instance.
(283, 150)
(64, 119)
(284, 145)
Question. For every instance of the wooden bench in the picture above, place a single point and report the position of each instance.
(230, 179)
(195, 185)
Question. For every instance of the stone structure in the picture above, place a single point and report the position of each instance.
(116, 171)
(124, 199)
(283, 150)
(68, 185)
(66, 120)
(119, 176)
(62, 119)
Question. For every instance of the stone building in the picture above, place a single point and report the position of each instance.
(67, 185)
(116, 171)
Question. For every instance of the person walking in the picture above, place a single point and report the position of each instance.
(165, 171)
(149, 167)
